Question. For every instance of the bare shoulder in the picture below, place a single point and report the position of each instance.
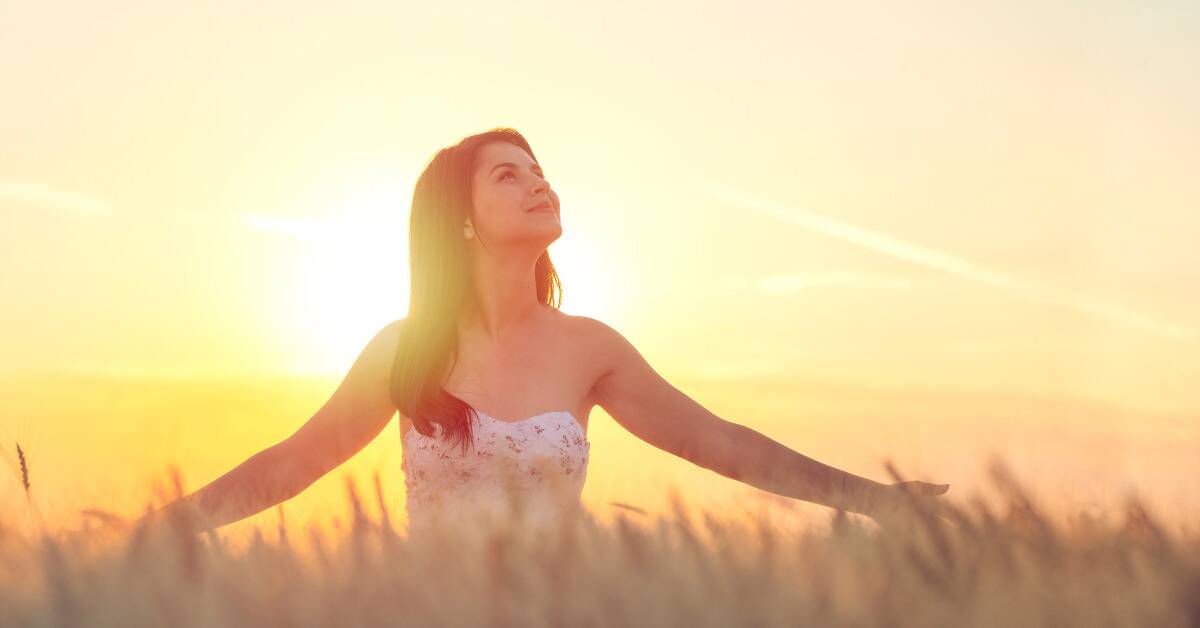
(604, 345)
(635, 395)
(593, 328)
(378, 355)
(391, 331)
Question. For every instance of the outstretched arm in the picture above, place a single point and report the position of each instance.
(652, 409)
(357, 411)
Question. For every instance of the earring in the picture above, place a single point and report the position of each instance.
(468, 232)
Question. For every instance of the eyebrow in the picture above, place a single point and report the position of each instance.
(535, 166)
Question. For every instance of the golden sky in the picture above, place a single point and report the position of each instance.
(954, 201)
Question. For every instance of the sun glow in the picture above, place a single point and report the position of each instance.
(348, 276)
(587, 275)
(347, 279)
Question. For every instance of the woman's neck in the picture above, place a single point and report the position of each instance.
(505, 293)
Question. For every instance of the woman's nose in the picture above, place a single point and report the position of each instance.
(540, 185)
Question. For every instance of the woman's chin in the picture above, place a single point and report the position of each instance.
(549, 235)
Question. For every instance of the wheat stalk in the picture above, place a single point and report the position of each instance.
(24, 468)
(33, 514)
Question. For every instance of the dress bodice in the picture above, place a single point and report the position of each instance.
(543, 459)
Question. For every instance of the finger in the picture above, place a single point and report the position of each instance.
(925, 489)
(934, 489)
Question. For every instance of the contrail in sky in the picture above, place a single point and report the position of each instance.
(45, 195)
(952, 264)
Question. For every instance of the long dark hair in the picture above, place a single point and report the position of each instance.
(440, 285)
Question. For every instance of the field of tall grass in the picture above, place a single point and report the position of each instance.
(995, 560)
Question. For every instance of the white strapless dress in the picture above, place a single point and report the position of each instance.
(537, 465)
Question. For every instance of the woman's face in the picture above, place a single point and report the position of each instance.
(508, 187)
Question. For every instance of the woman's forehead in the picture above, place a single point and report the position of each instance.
(495, 153)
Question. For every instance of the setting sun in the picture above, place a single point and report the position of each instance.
(927, 235)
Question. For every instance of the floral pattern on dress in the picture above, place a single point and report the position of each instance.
(542, 454)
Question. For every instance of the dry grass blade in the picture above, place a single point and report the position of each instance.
(686, 566)
(628, 507)
(24, 468)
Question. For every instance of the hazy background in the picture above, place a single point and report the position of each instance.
(929, 231)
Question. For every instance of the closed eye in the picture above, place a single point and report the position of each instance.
(508, 172)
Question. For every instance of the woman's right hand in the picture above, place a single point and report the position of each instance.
(898, 506)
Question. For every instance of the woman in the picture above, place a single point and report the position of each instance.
(494, 385)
